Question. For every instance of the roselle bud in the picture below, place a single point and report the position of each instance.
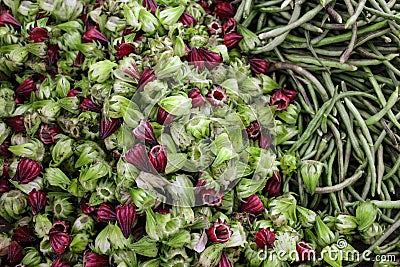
(187, 19)
(106, 213)
(91, 259)
(252, 205)
(52, 54)
(150, 5)
(138, 157)
(47, 134)
(146, 77)
(279, 99)
(217, 95)
(273, 185)
(24, 235)
(304, 251)
(88, 105)
(125, 49)
(27, 170)
(8, 19)
(197, 98)
(108, 127)
(126, 215)
(258, 65)
(25, 89)
(224, 261)
(158, 158)
(86, 208)
(94, 35)
(366, 213)
(311, 171)
(144, 132)
(164, 118)
(38, 35)
(219, 232)
(253, 130)
(59, 263)
(59, 241)
(15, 253)
(232, 39)
(229, 26)
(16, 123)
(265, 238)
(224, 10)
(4, 148)
(37, 200)
(215, 28)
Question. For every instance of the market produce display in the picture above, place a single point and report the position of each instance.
(199, 133)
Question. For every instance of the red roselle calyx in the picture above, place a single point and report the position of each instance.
(146, 77)
(4, 187)
(58, 237)
(163, 117)
(187, 19)
(60, 226)
(91, 259)
(73, 92)
(38, 35)
(207, 196)
(37, 200)
(16, 123)
(47, 133)
(94, 35)
(214, 28)
(273, 186)
(4, 148)
(229, 26)
(201, 57)
(258, 65)
(108, 127)
(219, 232)
(8, 19)
(224, 261)
(252, 204)
(265, 238)
(138, 157)
(86, 208)
(52, 54)
(158, 158)
(232, 39)
(106, 213)
(197, 98)
(126, 215)
(282, 98)
(217, 95)
(289, 93)
(88, 105)
(224, 10)
(205, 5)
(59, 263)
(304, 251)
(125, 49)
(253, 130)
(80, 58)
(264, 141)
(15, 253)
(150, 5)
(144, 132)
(25, 89)
(24, 235)
(27, 170)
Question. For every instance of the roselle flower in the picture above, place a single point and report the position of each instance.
(16, 123)
(146, 77)
(252, 204)
(217, 95)
(258, 65)
(144, 132)
(59, 263)
(88, 105)
(80, 58)
(273, 186)
(106, 213)
(4, 187)
(232, 39)
(94, 35)
(187, 19)
(91, 259)
(59, 241)
(24, 235)
(304, 251)
(8, 19)
(215, 28)
(38, 35)
(15, 253)
(125, 49)
(197, 98)
(265, 238)
(150, 5)
(224, 10)
(158, 157)
(4, 148)
(27, 170)
(108, 127)
(25, 89)
(279, 99)
(37, 200)
(52, 54)
(253, 130)
(73, 92)
(224, 261)
(229, 26)
(47, 133)
(163, 117)
(219, 232)
(126, 215)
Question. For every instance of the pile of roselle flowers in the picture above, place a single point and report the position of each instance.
(136, 134)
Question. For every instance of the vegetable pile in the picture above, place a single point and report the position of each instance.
(209, 133)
